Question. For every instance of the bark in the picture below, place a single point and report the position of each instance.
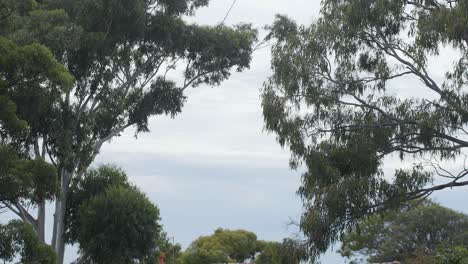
(54, 229)
(59, 221)
(41, 221)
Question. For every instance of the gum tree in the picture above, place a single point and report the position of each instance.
(120, 54)
(330, 99)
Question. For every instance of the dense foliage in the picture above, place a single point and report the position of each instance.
(18, 241)
(411, 236)
(31, 77)
(118, 226)
(356, 88)
(31, 81)
(111, 220)
(224, 246)
(455, 255)
(287, 252)
(239, 246)
(93, 183)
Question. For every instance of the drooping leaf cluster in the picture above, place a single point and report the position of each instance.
(355, 88)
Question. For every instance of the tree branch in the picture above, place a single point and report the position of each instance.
(11, 208)
(421, 192)
(112, 134)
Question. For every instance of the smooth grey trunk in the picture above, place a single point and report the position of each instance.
(41, 221)
(54, 229)
(59, 218)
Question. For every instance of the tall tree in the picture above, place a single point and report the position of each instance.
(119, 53)
(411, 236)
(330, 100)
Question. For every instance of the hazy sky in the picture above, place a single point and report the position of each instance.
(213, 165)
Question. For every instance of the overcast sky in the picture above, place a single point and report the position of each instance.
(213, 165)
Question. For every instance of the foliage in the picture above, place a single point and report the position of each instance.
(18, 238)
(224, 246)
(455, 255)
(288, 252)
(118, 226)
(30, 181)
(239, 246)
(270, 253)
(331, 100)
(31, 76)
(111, 220)
(93, 183)
(164, 246)
(407, 235)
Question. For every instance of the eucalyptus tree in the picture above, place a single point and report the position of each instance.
(121, 55)
(331, 99)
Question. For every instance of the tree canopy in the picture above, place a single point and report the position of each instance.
(356, 88)
(118, 226)
(239, 246)
(412, 235)
(223, 246)
(93, 183)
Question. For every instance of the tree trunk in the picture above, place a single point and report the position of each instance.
(41, 221)
(59, 218)
(54, 229)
